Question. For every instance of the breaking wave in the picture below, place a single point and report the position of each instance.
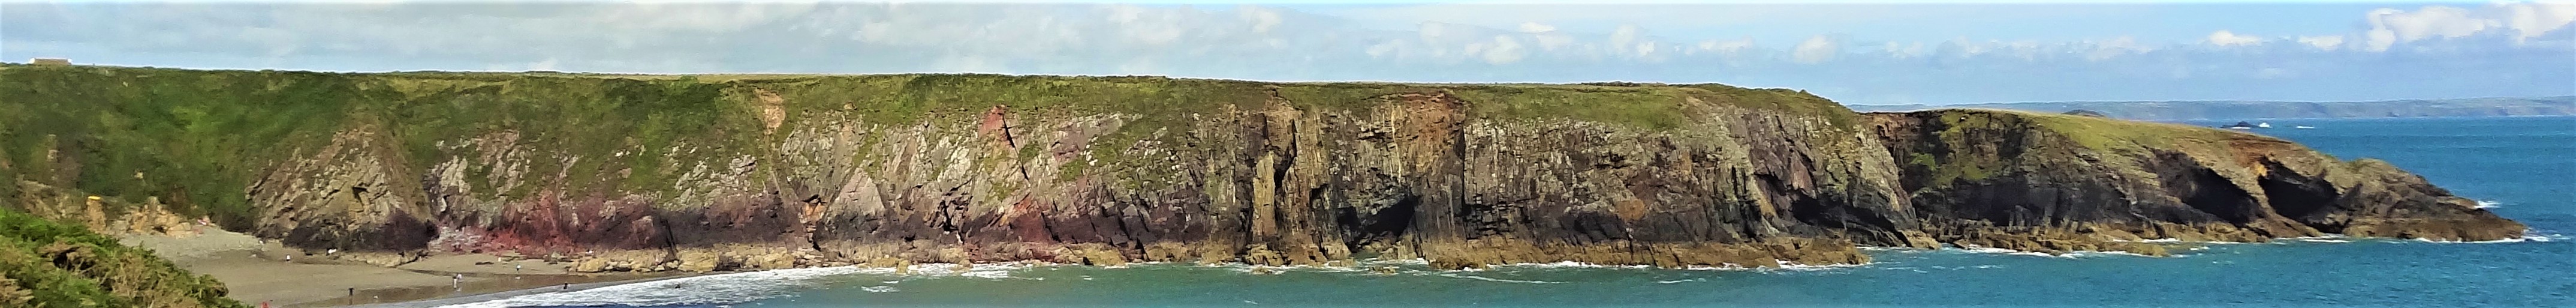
(1572, 264)
(1452, 275)
(2069, 255)
(2524, 238)
(735, 287)
(691, 291)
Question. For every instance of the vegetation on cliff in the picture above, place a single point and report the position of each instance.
(195, 138)
(49, 264)
(2202, 110)
(711, 172)
(2071, 176)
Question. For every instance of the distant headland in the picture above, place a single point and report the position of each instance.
(2205, 110)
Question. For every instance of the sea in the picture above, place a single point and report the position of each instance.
(2520, 167)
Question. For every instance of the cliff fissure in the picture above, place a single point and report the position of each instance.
(706, 173)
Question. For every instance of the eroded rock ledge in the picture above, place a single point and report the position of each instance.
(793, 171)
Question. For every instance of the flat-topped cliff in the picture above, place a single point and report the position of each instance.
(2212, 110)
(713, 172)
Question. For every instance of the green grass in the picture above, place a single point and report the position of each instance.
(2117, 142)
(199, 137)
(63, 265)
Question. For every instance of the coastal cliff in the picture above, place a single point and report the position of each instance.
(724, 172)
(2215, 110)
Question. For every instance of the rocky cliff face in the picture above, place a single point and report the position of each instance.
(2051, 182)
(2231, 110)
(748, 172)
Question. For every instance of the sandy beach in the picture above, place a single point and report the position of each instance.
(260, 273)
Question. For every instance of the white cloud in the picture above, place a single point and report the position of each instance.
(2429, 22)
(1552, 41)
(1816, 49)
(2524, 21)
(2116, 47)
(1902, 50)
(1432, 31)
(1504, 50)
(2323, 42)
(1262, 18)
(1534, 27)
(2533, 19)
(1726, 46)
(2225, 38)
(1624, 37)
(547, 65)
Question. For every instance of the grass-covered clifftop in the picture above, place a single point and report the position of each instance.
(48, 264)
(197, 138)
(2199, 110)
(2097, 175)
(713, 172)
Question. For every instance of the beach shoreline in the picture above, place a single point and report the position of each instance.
(493, 295)
(266, 273)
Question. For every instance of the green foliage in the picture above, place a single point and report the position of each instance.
(1786, 100)
(2115, 142)
(185, 136)
(1648, 107)
(199, 137)
(65, 265)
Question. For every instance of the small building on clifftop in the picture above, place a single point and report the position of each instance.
(50, 61)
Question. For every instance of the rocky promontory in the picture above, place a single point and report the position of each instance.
(724, 172)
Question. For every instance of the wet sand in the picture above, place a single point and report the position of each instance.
(477, 288)
(538, 289)
(259, 272)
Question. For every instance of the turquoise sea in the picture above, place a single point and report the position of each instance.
(2519, 165)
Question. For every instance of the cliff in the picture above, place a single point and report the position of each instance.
(713, 172)
(2205, 110)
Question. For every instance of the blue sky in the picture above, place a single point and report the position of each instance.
(1866, 52)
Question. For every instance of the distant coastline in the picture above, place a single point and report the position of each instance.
(2209, 110)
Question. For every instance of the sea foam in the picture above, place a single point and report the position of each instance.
(2524, 238)
(690, 291)
(733, 288)
(1498, 279)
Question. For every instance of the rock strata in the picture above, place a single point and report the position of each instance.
(888, 170)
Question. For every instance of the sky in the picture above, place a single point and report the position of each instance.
(1858, 52)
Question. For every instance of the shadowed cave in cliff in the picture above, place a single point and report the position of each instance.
(2297, 196)
(1381, 221)
(2206, 190)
